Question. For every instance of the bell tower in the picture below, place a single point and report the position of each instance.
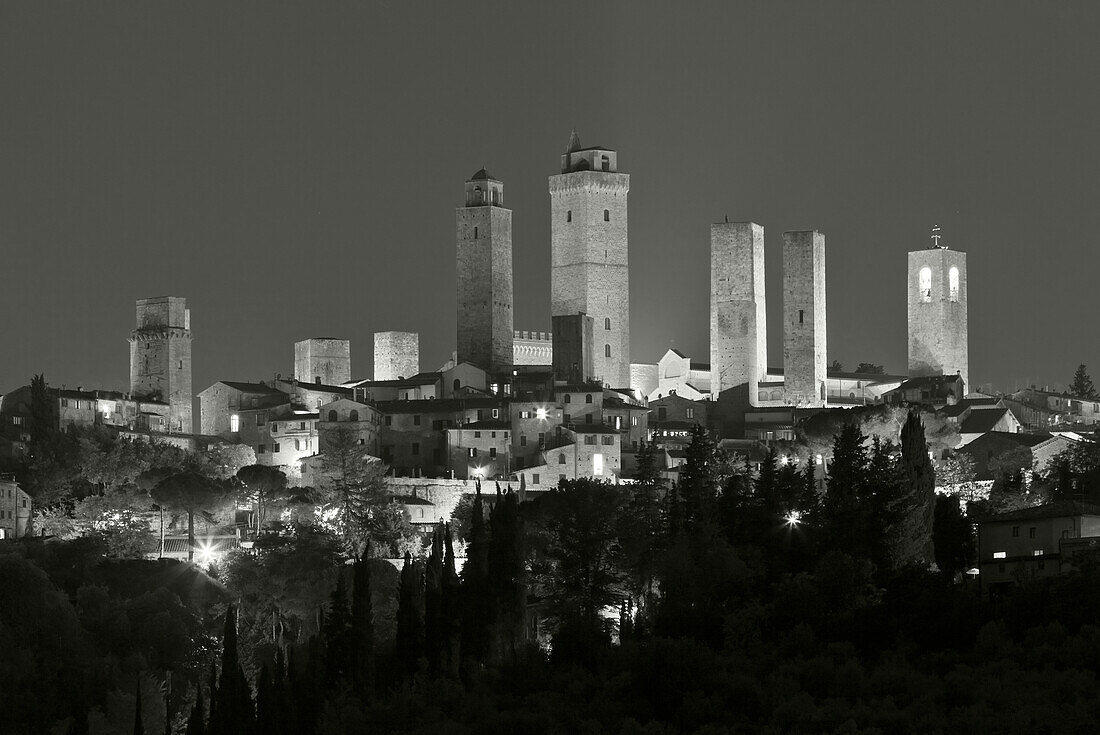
(938, 338)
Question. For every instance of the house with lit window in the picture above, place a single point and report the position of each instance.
(413, 437)
(577, 450)
(480, 450)
(1033, 543)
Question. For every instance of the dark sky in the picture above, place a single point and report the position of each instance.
(293, 169)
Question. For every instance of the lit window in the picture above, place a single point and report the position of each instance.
(525, 414)
(999, 555)
(925, 284)
(597, 464)
(691, 413)
(953, 283)
(1037, 552)
(540, 413)
(234, 423)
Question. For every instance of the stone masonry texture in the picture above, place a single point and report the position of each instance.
(738, 318)
(804, 349)
(938, 319)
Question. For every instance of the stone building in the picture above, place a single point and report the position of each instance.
(483, 233)
(480, 450)
(589, 265)
(804, 349)
(15, 509)
(738, 319)
(396, 355)
(937, 312)
(322, 360)
(160, 357)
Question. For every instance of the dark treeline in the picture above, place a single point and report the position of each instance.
(730, 601)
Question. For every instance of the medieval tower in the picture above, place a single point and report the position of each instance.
(804, 350)
(160, 357)
(483, 231)
(738, 318)
(396, 355)
(324, 360)
(589, 271)
(937, 312)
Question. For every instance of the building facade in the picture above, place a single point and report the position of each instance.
(589, 264)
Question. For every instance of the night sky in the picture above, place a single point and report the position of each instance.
(293, 169)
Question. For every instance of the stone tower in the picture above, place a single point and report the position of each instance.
(160, 357)
(937, 312)
(804, 349)
(322, 360)
(574, 350)
(588, 238)
(396, 355)
(738, 318)
(483, 231)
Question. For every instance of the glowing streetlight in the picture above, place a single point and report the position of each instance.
(793, 518)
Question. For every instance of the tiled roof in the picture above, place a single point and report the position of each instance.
(250, 387)
(1049, 510)
(487, 425)
(979, 422)
(590, 429)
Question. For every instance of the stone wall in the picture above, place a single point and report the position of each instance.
(322, 360)
(532, 348)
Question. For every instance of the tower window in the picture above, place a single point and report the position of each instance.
(569, 215)
(925, 284)
(607, 350)
(607, 322)
(801, 316)
(605, 163)
(607, 215)
(588, 398)
(953, 283)
(475, 233)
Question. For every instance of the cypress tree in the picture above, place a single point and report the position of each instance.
(362, 628)
(233, 712)
(647, 473)
(698, 478)
(410, 617)
(336, 630)
(476, 604)
(809, 503)
(139, 728)
(268, 720)
(433, 603)
(506, 575)
(846, 482)
(914, 509)
(195, 721)
(450, 606)
(766, 487)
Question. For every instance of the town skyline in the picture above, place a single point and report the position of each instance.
(278, 228)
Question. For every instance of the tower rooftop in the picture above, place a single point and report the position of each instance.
(483, 175)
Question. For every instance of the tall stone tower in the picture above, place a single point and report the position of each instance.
(396, 355)
(160, 357)
(738, 318)
(483, 231)
(588, 238)
(804, 349)
(322, 360)
(937, 312)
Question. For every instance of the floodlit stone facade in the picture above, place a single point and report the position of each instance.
(938, 342)
(160, 358)
(396, 355)
(738, 319)
(483, 233)
(322, 360)
(589, 266)
(804, 349)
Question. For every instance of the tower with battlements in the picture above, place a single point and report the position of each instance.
(483, 233)
(589, 266)
(804, 350)
(160, 357)
(738, 318)
(938, 340)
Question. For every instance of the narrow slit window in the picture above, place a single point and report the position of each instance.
(925, 284)
(953, 283)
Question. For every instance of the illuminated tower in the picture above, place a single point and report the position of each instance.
(160, 357)
(937, 312)
(738, 319)
(483, 231)
(804, 318)
(589, 271)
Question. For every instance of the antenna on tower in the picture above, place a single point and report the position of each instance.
(936, 238)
